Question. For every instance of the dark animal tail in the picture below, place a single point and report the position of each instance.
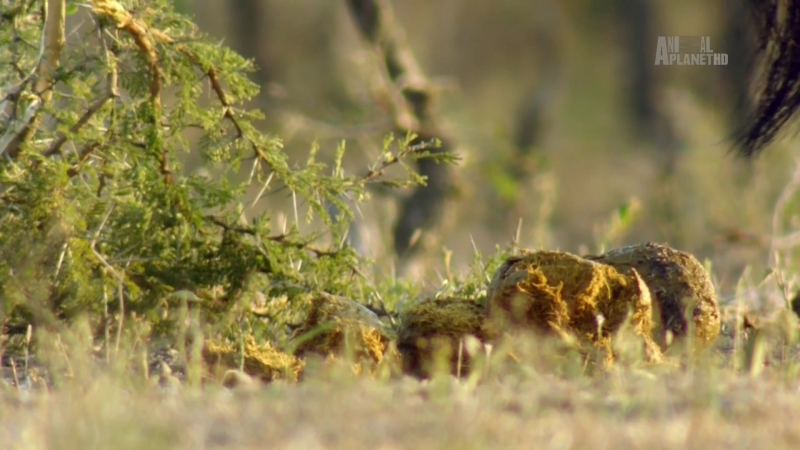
(777, 23)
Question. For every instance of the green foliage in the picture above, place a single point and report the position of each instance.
(97, 217)
(474, 284)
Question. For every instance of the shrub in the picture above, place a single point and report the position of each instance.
(98, 218)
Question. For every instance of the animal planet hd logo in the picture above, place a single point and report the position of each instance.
(688, 51)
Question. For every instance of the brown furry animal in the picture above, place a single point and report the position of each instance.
(777, 24)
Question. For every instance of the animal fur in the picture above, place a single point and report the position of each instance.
(777, 24)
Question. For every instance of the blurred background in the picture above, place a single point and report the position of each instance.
(570, 137)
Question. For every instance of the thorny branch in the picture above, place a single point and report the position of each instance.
(216, 86)
(145, 40)
(82, 156)
(388, 162)
(142, 37)
(279, 238)
(125, 21)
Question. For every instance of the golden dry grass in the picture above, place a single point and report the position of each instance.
(542, 397)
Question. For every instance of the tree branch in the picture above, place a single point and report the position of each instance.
(386, 163)
(279, 238)
(216, 85)
(139, 32)
(49, 62)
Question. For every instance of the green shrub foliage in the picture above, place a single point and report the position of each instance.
(99, 219)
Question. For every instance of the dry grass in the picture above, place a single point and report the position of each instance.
(527, 393)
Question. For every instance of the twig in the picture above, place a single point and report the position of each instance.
(263, 189)
(386, 163)
(780, 206)
(28, 337)
(82, 156)
(279, 238)
(121, 293)
(788, 241)
(101, 226)
(106, 322)
(14, 374)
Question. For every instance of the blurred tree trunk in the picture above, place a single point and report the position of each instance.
(411, 99)
(636, 20)
(538, 101)
(740, 44)
(534, 113)
(249, 25)
(279, 65)
(739, 41)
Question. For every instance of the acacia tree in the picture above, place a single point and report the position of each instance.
(97, 216)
